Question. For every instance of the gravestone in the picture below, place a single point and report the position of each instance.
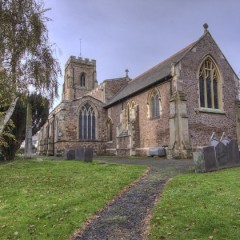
(225, 139)
(233, 155)
(221, 154)
(88, 154)
(209, 158)
(198, 160)
(69, 154)
(79, 153)
(213, 140)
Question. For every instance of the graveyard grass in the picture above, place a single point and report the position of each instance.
(51, 199)
(199, 206)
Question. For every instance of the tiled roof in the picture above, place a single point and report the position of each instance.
(152, 76)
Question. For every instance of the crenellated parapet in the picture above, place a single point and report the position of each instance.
(80, 60)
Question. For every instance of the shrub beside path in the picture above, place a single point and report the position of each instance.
(127, 217)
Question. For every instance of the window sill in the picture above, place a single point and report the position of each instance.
(154, 118)
(210, 110)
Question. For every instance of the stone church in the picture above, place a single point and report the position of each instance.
(176, 104)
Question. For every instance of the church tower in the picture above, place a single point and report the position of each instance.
(79, 78)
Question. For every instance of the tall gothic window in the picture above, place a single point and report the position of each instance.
(209, 85)
(82, 79)
(129, 108)
(154, 105)
(109, 129)
(87, 123)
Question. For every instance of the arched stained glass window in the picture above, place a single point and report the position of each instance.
(209, 85)
(87, 123)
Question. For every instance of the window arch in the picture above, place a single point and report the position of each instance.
(130, 105)
(209, 85)
(154, 104)
(109, 129)
(87, 123)
(82, 79)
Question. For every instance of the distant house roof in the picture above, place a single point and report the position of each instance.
(158, 73)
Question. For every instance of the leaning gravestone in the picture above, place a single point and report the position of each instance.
(79, 153)
(221, 155)
(88, 154)
(225, 139)
(209, 158)
(213, 140)
(69, 154)
(233, 153)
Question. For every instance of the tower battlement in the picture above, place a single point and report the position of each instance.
(80, 60)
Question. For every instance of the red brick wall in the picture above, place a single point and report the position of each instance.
(152, 132)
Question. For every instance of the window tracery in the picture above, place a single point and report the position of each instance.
(209, 81)
(87, 123)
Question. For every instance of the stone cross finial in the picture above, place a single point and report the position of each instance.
(205, 25)
(127, 71)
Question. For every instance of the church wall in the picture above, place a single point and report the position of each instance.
(203, 124)
(153, 132)
(65, 135)
(105, 91)
(148, 132)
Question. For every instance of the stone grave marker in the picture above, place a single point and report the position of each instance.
(233, 153)
(79, 153)
(213, 140)
(209, 158)
(198, 162)
(88, 154)
(221, 154)
(69, 154)
(225, 139)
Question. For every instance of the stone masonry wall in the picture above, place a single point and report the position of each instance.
(105, 91)
(203, 124)
(151, 132)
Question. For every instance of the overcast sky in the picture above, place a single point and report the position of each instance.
(138, 34)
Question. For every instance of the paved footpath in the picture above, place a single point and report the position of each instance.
(127, 217)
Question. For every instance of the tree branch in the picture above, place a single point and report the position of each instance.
(8, 115)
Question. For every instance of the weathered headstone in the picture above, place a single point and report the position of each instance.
(221, 154)
(225, 139)
(88, 154)
(69, 154)
(209, 158)
(213, 140)
(79, 153)
(198, 160)
(233, 155)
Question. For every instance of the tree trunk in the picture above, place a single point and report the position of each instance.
(28, 135)
(8, 115)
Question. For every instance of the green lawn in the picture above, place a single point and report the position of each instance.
(199, 206)
(51, 199)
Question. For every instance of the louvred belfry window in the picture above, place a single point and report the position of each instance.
(87, 123)
(209, 85)
(82, 79)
